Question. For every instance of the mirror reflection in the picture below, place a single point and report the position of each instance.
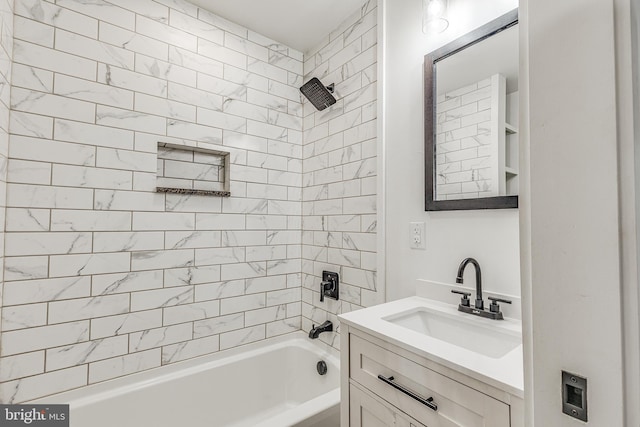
(476, 114)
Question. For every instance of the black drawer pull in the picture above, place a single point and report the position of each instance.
(428, 402)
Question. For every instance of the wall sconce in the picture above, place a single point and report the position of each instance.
(434, 16)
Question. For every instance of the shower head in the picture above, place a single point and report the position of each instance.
(319, 95)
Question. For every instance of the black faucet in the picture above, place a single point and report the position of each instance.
(459, 280)
(316, 331)
(465, 306)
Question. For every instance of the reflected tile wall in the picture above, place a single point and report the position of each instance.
(104, 276)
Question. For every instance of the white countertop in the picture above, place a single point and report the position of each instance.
(504, 373)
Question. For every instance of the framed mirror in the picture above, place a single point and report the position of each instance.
(471, 119)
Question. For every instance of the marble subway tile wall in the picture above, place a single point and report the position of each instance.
(467, 153)
(105, 277)
(340, 173)
(6, 54)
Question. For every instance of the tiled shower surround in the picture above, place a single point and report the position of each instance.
(340, 168)
(104, 276)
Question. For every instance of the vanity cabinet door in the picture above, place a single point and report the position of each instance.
(423, 394)
(369, 411)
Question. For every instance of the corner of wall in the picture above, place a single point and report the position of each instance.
(340, 180)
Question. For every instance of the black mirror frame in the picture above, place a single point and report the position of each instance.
(499, 202)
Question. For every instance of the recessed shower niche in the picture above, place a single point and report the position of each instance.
(192, 170)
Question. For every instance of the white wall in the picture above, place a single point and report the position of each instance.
(627, 19)
(575, 135)
(489, 236)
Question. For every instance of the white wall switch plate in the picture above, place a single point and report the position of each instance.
(417, 235)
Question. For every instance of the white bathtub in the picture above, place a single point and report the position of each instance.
(270, 383)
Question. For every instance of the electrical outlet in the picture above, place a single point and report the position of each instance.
(416, 235)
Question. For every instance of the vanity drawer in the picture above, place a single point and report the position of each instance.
(452, 404)
(368, 410)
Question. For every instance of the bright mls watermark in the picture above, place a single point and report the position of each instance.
(34, 415)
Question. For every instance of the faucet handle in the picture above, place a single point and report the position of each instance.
(495, 307)
(464, 301)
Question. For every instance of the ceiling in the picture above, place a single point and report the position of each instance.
(300, 24)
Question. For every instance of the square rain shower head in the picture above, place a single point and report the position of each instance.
(318, 94)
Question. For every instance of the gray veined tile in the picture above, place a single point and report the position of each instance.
(192, 131)
(218, 325)
(194, 26)
(51, 14)
(158, 337)
(86, 352)
(125, 323)
(148, 8)
(21, 341)
(131, 120)
(181, 5)
(22, 365)
(30, 125)
(192, 275)
(265, 315)
(93, 49)
(24, 316)
(215, 256)
(165, 107)
(108, 284)
(131, 41)
(160, 298)
(124, 365)
(23, 244)
(197, 97)
(86, 264)
(190, 312)
(42, 385)
(28, 172)
(148, 260)
(87, 308)
(225, 55)
(172, 72)
(136, 81)
(25, 268)
(114, 241)
(93, 92)
(193, 61)
(217, 290)
(101, 10)
(33, 31)
(283, 326)
(52, 105)
(44, 290)
(192, 239)
(128, 200)
(242, 303)
(242, 336)
(189, 349)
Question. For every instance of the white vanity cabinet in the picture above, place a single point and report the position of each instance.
(368, 410)
(386, 385)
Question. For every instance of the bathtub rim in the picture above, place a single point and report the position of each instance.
(96, 392)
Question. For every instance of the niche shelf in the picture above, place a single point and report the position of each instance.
(192, 170)
(511, 143)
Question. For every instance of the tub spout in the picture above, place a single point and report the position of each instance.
(316, 331)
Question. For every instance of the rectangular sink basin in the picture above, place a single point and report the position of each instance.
(473, 334)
